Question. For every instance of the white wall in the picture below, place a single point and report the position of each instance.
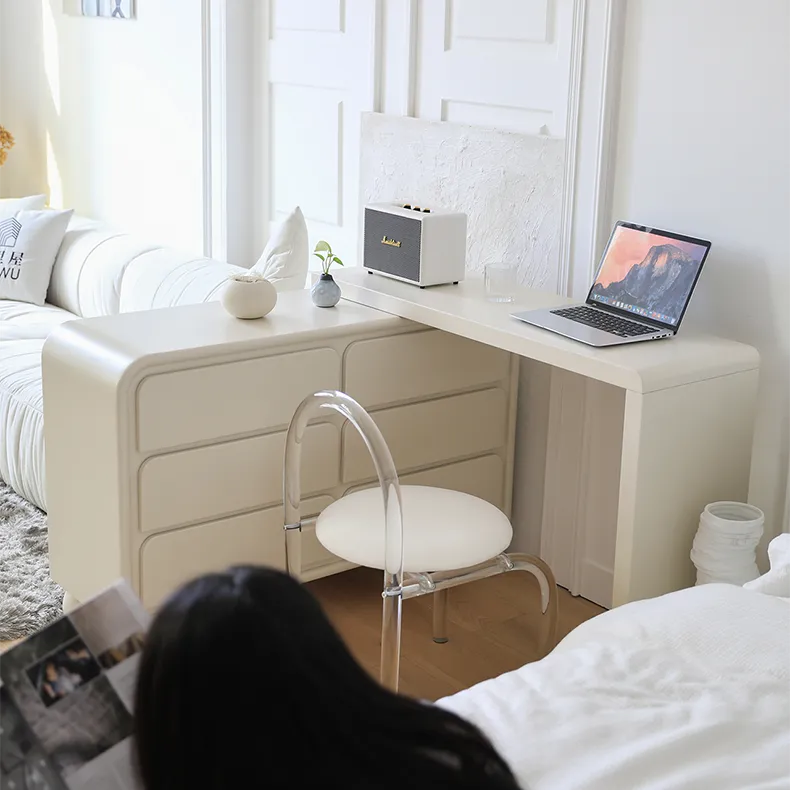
(21, 110)
(144, 148)
(704, 147)
(108, 115)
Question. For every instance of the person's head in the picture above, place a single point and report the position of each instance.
(243, 682)
(50, 672)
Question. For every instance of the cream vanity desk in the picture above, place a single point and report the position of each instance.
(164, 429)
(165, 432)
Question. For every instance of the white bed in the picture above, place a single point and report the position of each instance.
(690, 690)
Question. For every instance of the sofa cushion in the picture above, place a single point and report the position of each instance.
(43, 318)
(90, 268)
(166, 278)
(101, 271)
(23, 329)
(22, 419)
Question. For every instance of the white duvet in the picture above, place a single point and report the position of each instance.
(690, 690)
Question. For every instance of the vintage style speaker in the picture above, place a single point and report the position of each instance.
(424, 246)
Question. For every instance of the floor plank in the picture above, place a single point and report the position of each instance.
(495, 626)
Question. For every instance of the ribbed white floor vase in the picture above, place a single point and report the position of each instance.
(726, 541)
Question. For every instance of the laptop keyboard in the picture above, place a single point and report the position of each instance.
(604, 321)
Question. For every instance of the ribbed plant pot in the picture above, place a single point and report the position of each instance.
(326, 292)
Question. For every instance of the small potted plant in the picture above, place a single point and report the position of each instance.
(326, 292)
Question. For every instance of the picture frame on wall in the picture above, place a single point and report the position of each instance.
(109, 9)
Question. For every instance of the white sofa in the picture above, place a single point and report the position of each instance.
(98, 272)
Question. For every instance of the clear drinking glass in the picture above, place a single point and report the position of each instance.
(500, 280)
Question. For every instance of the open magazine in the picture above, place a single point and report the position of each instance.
(66, 699)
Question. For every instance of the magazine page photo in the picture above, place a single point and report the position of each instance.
(66, 699)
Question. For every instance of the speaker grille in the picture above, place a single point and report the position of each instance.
(403, 261)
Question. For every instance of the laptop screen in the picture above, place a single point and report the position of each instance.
(648, 272)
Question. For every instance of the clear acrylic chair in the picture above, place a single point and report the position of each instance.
(447, 538)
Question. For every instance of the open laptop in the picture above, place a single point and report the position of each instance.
(641, 291)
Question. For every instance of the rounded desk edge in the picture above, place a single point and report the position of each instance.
(639, 367)
(114, 350)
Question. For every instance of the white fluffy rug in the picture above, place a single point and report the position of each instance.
(29, 599)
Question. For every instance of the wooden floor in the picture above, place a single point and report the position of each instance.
(495, 625)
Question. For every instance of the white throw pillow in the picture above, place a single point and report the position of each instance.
(10, 206)
(29, 243)
(285, 258)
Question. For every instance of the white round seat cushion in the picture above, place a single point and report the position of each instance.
(443, 530)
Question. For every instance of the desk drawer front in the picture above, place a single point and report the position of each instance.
(481, 477)
(170, 559)
(202, 404)
(207, 482)
(419, 365)
(427, 433)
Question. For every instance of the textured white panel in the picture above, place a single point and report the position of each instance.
(514, 119)
(320, 15)
(500, 20)
(306, 141)
(510, 186)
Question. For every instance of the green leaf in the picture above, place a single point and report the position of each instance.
(318, 255)
(337, 261)
(323, 246)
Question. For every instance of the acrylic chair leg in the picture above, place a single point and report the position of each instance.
(549, 597)
(293, 552)
(390, 638)
(440, 616)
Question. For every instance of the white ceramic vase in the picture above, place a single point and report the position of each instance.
(248, 296)
(325, 292)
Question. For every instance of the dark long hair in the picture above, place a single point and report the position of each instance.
(243, 682)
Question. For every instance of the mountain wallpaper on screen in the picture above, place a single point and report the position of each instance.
(660, 283)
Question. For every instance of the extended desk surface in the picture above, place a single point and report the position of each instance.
(463, 310)
(687, 407)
